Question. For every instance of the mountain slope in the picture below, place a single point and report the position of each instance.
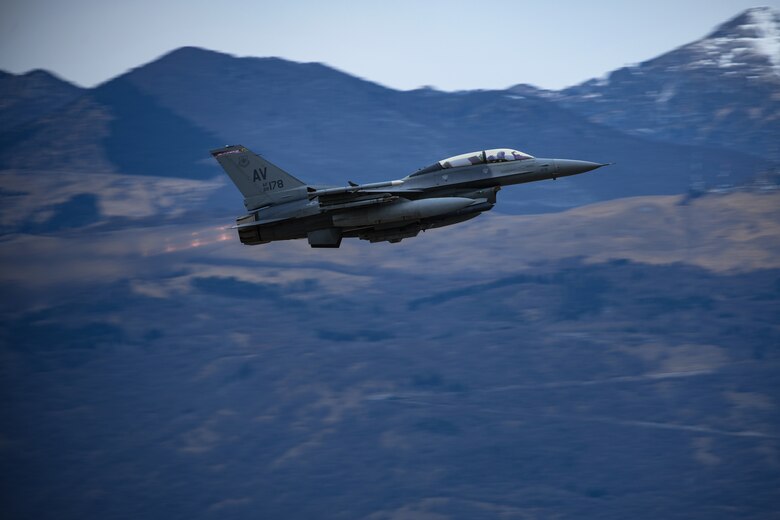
(722, 90)
(480, 365)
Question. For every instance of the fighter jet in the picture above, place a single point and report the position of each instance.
(453, 190)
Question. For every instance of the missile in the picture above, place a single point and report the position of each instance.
(353, 188)
(404, 210)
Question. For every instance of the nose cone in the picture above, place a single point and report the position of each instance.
(564, 167)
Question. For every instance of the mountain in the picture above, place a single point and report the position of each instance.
(326, 127)
(111, 128)
(720, 91)
(313, 118)
(26, 97)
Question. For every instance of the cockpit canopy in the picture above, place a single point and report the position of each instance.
(482, 157)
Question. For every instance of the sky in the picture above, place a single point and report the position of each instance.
(449, 45)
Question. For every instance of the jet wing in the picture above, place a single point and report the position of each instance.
(255, 223)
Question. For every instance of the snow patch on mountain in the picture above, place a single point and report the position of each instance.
(767, 26)
(749, 42)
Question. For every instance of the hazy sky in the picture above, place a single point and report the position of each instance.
(402, 44)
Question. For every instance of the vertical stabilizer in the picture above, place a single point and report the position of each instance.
(261, 182)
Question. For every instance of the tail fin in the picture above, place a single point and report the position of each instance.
(261, 182)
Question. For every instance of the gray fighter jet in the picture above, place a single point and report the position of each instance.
(447, 192)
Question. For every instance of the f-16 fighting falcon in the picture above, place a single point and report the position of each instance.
(447, 192)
